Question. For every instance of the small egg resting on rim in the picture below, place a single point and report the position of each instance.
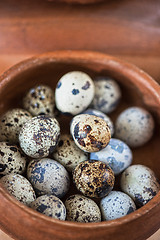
(140, 183)
(11, 122)
(90, 133)
(19, 187)
(39, 100)
(50, 206)
(82, 209)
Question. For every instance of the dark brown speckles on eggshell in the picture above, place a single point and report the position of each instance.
(39, 136)
(93, 178)
(90, 132)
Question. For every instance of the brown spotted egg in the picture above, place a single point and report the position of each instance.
(82, 209)
(74, 92)
(68, 154)
(12, 159)
(39, 100)
(90, 133)
(19, 187)
(50, 206)
(11, 123)
(93, 178)
(39, 136)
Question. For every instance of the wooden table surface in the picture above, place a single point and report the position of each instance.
(126, 29)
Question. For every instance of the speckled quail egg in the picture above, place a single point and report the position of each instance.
(134, 126)
(93, 178)
(140, 183)
(82, 209)
(116, 205)
(107, 94)
(90, 133)
(74, 92)
(39, 136)
(39, 100)
(12, 159)
(50, 206)
(19, 187)
(48, 176)
(11, 123)
(103, 116)
(116, 154)
(68, 154)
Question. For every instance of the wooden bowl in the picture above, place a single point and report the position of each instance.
(138, 89)
(80, 1)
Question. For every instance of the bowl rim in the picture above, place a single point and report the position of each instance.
(127, 69)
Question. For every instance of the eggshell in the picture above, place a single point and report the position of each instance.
(134, 126)
(39, 136)
(50, 206)
(116, 154)
(39, 100)
(116, 205)
(82, 209)
(48, 176)
(74, 92)
(93, 178)
(19, 187)
(11, 123)
(68, 154)
(107, 94)
(90, 133)
(103, 116)
(12, 159)
(140, 183)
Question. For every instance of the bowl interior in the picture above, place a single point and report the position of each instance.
(48, 70)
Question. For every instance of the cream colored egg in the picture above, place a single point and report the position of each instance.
(74, 92)
(68, 154)
(140, 183)
(82, 209)
(19, 187)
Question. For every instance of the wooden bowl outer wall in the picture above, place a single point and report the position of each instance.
(23, 223)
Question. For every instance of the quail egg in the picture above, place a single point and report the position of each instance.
(68, 154)
(11, 123)
(48, 176)
(116, 205)
(12, 159)
(116, 154)
(82, 209)
(107, 94)
(93, 178)
(74, 92)
(134, 126)
(39, 100)
(140, 183)
(39, 136)
(90, 133)
(103, 116)
(50, 206)
(19, 187)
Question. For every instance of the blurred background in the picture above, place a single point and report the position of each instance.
(124, 28)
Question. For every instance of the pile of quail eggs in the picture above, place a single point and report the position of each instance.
(38, 165)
